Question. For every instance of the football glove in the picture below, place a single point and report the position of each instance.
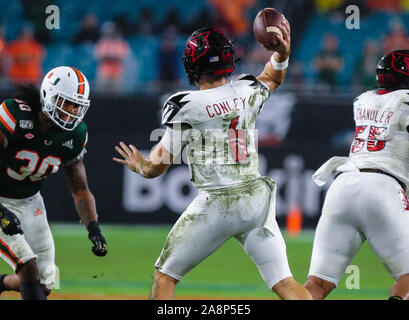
(100, 247)
(9, 222)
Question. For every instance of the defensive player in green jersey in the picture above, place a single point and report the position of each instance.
(41, 130)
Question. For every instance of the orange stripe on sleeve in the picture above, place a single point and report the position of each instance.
(6, 125)
(8, 113)
(86, 140)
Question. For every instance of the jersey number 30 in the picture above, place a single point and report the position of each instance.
(32, 169)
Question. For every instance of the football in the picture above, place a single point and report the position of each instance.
(265, 27)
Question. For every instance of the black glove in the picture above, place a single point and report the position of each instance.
(94, 234)
(9, 222)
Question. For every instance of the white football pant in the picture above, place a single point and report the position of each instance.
(245, 213)
(36, 242)
(361, 206)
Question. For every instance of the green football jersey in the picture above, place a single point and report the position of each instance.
(30, 154)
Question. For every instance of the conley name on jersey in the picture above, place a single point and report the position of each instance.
(218, 128)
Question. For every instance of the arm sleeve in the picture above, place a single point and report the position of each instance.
(403, 121)
(173, 140)
(261, 91)
(172, 113)
(7, 118)
(75, 159)
(80, 150)
(264, 90)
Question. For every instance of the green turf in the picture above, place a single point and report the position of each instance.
(128, 267)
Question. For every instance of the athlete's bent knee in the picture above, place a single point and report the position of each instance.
(319, 288)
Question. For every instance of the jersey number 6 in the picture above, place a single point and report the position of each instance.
(33, 159)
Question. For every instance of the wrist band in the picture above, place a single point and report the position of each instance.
(278, 65)
(140, 171)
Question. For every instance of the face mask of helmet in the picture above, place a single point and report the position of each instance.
(208, 52)
(66, 119)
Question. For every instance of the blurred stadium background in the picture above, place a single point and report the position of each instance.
(130, 52)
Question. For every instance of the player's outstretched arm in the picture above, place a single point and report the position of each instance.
(152, 166)
(85, 204)
(275, 70)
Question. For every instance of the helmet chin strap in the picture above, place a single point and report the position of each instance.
(54, 109)
(45, 120)
(47, 108)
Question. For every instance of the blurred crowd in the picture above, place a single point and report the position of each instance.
(329, 62)
(22, 58)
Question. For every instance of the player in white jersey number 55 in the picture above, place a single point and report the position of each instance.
(367, 200)
(216, 123)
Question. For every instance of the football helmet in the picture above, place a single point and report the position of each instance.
(208, 52)
(63, 84)
(392, 71)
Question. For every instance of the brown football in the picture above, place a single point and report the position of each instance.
(265, 27)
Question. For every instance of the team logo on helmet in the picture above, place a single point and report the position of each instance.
(208, 52)
(60, 89)
(404, 68)
(393, 71)
(192, 46)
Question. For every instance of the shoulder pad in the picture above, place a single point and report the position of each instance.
(248, 77)
(254, 82)
(78, 141)
(81, 134)
(80, 137)
(171, 108)
(401, 97)
(406, 98)
(364, 95)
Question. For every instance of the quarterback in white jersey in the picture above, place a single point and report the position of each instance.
(367, 200)
(216, 124)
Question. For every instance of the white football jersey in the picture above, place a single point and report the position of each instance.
(381, 134)
(221, 138)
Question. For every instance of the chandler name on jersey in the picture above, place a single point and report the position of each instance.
(381, 134)
(31, 154)
(221, 145)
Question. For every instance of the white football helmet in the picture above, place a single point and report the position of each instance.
(61, 84)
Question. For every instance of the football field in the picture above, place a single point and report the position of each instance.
(126, 272)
